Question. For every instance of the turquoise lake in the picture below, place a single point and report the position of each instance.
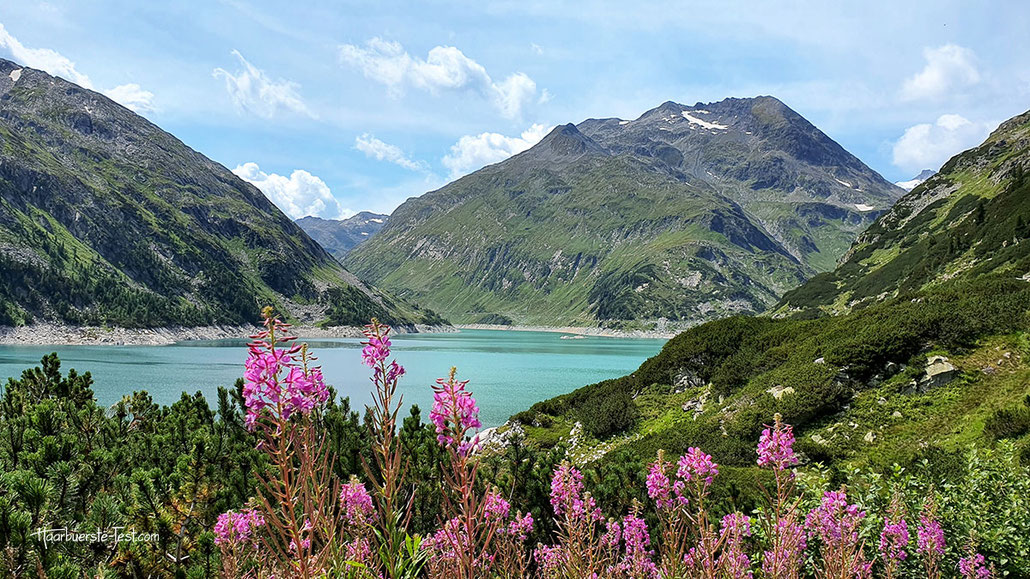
(509, 370)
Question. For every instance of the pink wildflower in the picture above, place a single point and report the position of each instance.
(697, 466)
(658, 486)
(776, 446)
(893, 540)
(496, 507)
(974, 567)
(377, 348)
(733, 560)
(549, 559)
(356, 502)
(520, 527)
(637, 560)
(567, 496)
(278, 379)
(930, 536)
(454, 412)
(238, 527)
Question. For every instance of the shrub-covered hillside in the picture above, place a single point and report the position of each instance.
(970, 219)
(867, 386)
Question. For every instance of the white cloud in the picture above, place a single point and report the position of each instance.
(536, 48)
(381, 151)
(252, 90)
(473, 152)
(298, 195)
(42, 58)
(132, 97)
(948, 68)
(445, 68)
(928, 146)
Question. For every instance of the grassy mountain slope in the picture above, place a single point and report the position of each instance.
(107, 219)
(339, 236)
(627, 222)
(866, 385)
(968, 220)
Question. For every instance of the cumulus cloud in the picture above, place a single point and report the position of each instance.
(473, 152)
(132, 97)
(928, 146)
(948, 68)
(299, 195)
(374, 148)
(445, 68)
(252, 90)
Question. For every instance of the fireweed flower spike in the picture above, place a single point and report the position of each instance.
(237, 539)
(974, 566)
(733, 560)
(894, 538)
(280, 379)
(930, 538)
(454, 412)
(776, 446)
(836, 524)
(782, 521)
(238, 527)
(658, 485)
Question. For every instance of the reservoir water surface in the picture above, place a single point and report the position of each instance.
(508, 370)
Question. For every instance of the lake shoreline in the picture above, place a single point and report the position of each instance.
(575, 331)
(67, 335)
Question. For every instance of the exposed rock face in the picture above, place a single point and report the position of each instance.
(105, 219)
(685, 214)
(939, 371)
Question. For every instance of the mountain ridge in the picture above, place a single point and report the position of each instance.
(107, 219)
(684, 214)
(968, 220)
(339, 236)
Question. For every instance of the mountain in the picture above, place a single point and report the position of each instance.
(927, 353)
(911, 183)
(107, 219)
(686, 213)
(339, 236)
(968, 221)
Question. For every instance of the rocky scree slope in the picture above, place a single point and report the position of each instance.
(684, 214)
(107, 219)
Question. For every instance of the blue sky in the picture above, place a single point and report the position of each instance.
(335, 107)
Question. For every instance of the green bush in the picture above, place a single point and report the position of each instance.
(603, 416)
(1008, 423)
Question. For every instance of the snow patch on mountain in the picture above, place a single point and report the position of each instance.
(703, 124)
(915, 181)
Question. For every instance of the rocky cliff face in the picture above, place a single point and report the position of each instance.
(107, 219)
(339, 236)
(686, 213)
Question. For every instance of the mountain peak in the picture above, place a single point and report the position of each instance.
(565, 141)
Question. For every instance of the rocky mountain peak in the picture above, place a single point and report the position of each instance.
(567, 140)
